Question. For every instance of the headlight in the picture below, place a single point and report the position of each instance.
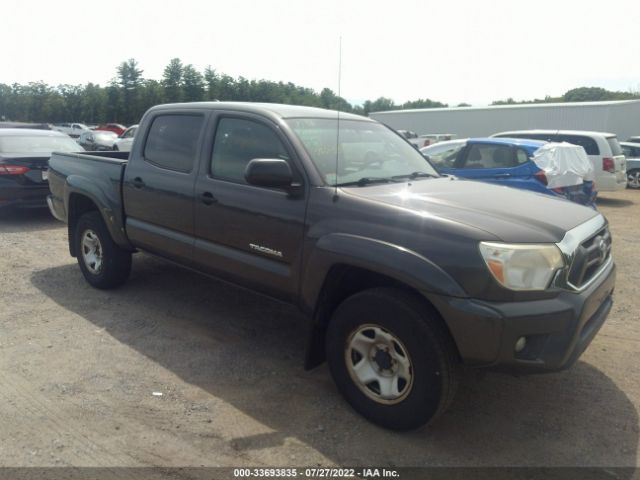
(522, 266)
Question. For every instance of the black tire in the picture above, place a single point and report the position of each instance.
(115, 263)
(633, 179)
(432, 354)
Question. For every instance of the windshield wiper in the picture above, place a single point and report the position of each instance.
(367, 181)
(414, 175)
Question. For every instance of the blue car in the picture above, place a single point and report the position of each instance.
(503, 161)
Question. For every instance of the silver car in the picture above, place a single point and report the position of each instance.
(96, 140)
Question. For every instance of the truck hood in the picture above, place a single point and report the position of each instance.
(504, 213)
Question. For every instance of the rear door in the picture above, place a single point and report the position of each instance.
(159, 182)
(249, 235)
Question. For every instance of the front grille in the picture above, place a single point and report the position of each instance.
(589, 257)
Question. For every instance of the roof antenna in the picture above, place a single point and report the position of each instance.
(335, 193)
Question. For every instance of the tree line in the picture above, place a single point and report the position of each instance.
(581, 94)
(128, 95)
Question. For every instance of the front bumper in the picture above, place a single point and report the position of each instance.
(557, 330)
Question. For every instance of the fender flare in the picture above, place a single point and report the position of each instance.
(108, 204)
(397, 262)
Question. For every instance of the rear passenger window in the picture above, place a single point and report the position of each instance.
(589, 144)
(521, 156)
(490, 156)
(239, 141)
(173, 141)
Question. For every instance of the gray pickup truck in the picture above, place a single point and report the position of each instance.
(405, 274)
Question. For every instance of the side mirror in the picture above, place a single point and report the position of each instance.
(268, 172)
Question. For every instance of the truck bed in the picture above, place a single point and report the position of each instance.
(97, 175)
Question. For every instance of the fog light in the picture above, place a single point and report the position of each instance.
(520, 344)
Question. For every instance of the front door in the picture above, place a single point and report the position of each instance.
(249, 235)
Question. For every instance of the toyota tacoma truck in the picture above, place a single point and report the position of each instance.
(404, 274)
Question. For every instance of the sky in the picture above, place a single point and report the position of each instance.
(453, 51)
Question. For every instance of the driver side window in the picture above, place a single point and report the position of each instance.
(237, 142)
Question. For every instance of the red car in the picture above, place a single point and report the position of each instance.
(112, 127)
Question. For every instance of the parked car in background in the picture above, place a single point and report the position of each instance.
(431, 138)
(24, 156)
(123, 142)
(631, 151)
(72, 129)
(603, 150)
(111, 127)
(635, 139)
(425, 140)
(526, 164)
(95, 140)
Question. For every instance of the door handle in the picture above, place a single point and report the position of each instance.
(137, 182)
(208, 198)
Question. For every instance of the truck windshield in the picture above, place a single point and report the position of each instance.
(362, 150)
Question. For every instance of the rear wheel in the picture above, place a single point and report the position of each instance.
(391, 358)
(633, 178)
(103, 263)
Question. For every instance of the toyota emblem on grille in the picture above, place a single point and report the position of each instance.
(602, 246)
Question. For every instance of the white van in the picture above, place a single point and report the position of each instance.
(603, 150)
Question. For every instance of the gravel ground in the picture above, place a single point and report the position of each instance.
(176, 369)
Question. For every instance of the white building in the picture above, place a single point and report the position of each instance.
(619, 117)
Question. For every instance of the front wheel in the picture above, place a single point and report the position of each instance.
(103, 263)
(633, 178)
(391, 358)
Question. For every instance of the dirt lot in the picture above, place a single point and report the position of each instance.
(79, 368)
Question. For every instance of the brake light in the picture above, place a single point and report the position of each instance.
(608, 165)
(12, 170)
(541, 177)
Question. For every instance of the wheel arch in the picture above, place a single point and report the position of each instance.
(344, 265)
(83, 196)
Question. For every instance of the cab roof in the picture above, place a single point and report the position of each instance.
(268, 109)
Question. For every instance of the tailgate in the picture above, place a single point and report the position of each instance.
(620, 164)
